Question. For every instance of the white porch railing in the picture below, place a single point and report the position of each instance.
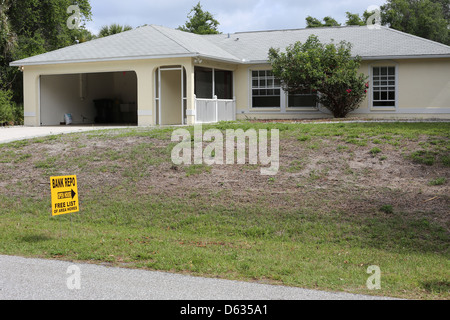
(214, 110)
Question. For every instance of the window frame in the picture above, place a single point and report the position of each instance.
(288, 95)
(266, 87)
(284, 96)
(388, 86)
(213, 80)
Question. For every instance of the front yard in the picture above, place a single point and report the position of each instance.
(347, 196)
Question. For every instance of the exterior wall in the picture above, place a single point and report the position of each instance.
(145, 71)
(423, 89)
(423, 92)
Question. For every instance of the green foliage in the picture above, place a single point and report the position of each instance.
(113, 29)
(423, 157)
(17, 109)
(316, 23)
(353, 19)
(47, 20)
(437, 182)
(200, 22)
(426, 18)
(375, 151)
(32, 27)
(327, 68)
(6, 110)
(387, 208)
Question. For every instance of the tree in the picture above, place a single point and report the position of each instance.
(316, 23)
(44, 23)
(8, 45)
(353, 19)
(424, 18)
(31, 27)
(200, 22)
(113, 29)
(313, 22)
(328, 69)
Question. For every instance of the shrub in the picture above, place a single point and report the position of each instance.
(329, 69)
(17, 113)
(6, 109)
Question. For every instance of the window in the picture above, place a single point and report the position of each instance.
(213, 82)
(203, 83)
(266, 90)
(304, 99)
(223, 81)
(384, 93)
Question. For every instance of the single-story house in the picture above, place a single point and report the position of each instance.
(156, 75)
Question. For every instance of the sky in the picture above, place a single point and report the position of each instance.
(233, 15)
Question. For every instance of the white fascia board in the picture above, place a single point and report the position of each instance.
(429, 56)
(212, 58)
(184, 55)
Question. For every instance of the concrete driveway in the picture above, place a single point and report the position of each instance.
(9, 134)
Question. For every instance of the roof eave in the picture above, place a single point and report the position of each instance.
(392, 57)
(402, 57)
(21, 63)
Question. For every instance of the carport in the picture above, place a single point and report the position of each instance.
(90, 98)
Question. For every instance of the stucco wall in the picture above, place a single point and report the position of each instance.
(145, 71)
(423, 88)
(423, 92)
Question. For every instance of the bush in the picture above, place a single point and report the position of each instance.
(10, 112)
(326, 69)
(17, 113)
(6, 108)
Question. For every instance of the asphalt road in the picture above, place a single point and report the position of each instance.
(37, 279)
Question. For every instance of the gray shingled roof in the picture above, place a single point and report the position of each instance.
(246, 47)
(367, 43)
(142, 43)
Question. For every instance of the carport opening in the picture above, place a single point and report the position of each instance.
(108, 98)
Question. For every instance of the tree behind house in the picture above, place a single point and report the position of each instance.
(114, 28)
(200, 22)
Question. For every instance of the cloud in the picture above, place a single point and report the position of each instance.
(233, 15)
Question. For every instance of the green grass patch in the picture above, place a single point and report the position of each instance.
(375, 151)
(196, 169)
(437, 182)
(423, 157)
(302, 235)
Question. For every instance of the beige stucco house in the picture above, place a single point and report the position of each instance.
(156, 75)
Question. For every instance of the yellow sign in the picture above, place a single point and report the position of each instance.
(64, 195)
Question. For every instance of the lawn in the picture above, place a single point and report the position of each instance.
(347, 196)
